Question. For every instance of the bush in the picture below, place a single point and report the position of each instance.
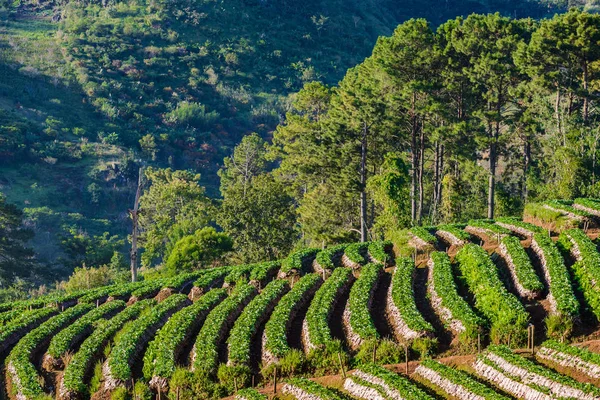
(198, 250)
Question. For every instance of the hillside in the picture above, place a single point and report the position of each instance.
(89, 91)
(506, 305)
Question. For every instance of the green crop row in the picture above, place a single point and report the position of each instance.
(423, 234)
(456, 230)
(217, 323)
(24, 375)
(355, 253)
(575, 351)
(446, 289)
(181, 280)
(42, 301)
(161, 356)
(520, 224)
(403, 296)
(523, 268)
(12, 332)
(326, 257)
(394, 382)
(506, 314)
(79, 368)
(317, 316)
(379, 251)
(566, 207)
(460, 378)
(249, 394)
(586, 270)
(298, 261)
(149, 289)
(238, 272)
(68, 337)
(211, 277)
(263, 271)
(246, 326)
(559, 283)
(8, 316)
(126, 348)
(312, 388)
(489, 225)
(119, 290)
(532, 368)
(276, 328)
(360, 299)
(592, 204)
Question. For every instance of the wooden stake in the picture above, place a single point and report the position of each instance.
(406, 357)
(178, 393)
(235, 384)
(479, 343)
(134, 233)
(374, 352)
(275, 381)
(253, 380)
(341, 365)
(532, 339)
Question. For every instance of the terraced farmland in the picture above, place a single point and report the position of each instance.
(485, 310)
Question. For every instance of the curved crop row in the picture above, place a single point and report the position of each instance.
(527, 283)
(455, 383)
(116, 291)
(17, 328)
(582, 360)
(298, 262)
(148, 289)
(20, 370)
(566, 208)
(358, 323)
(275, 344)
(315, 328)
(422, 237)
(264, 272)
(304, 389)
(74, 383)
(355, 255)
(205, 355)
(487, 227)
(248, 323)
(405, 318)
(71, 336)
(590, 206)
(132, 342)
(453, 234)
(329, 259)
(59, 300)
(211, 279)
(160, 359)
(237, 273)
(517, 375)
(379, 251)
(449, 305)
(519, 227)
(183, 281)
(562, 299)
(392, 385)
(506, 314)
(586, 269)
(7, 317)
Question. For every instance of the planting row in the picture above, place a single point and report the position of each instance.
(526, 282)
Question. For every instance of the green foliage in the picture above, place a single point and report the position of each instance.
(313, 388)
(126, 347)
(217, 324)
(69, 337)
(570, 350)
(277, 327)
(356, 252)
(161, 356)
(174, 206)
(329, 257)
(463, 379)
(321, 307)
(23, 372)
(446, 289)
(520, 224)
(423, 234)
(199, 250)
(298, 261)
(24, 320)
(16, 259)
(507, 316)
(77, 370)
(360, 299)
(586, 267)
(248, 323)
(403, 297)
(555, 219)
(455, 229)
(394, 381)
(249, 394)
(380, 251)
(524, 271)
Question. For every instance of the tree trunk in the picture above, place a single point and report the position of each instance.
(413, 163)
(526, 163)
(585, 93)
(557, 111)
(492, 177)
(363, 185)
(421, 169)
(134, 233)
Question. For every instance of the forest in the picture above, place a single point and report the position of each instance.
(337, 123)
